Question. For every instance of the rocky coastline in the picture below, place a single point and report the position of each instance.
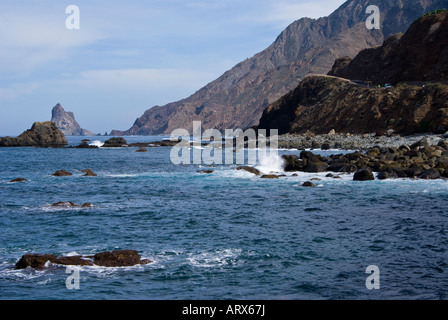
(358, 142)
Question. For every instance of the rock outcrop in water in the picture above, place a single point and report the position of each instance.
(119, 258)
(66, 122)
(238, 98)
(421, 160)
(41, 134)
(322, 103)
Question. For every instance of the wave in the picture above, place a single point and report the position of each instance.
(96, 143)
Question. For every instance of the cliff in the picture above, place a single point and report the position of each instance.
(415, 62)
(238, 98)
(66, 122)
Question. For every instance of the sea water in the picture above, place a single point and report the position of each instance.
(225, 235)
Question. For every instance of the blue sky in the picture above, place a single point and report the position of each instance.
(127, 56)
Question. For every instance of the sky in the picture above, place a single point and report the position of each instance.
(127, 56)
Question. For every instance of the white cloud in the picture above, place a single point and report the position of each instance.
(143, 79)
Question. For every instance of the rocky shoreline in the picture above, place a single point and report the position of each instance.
(358, 142)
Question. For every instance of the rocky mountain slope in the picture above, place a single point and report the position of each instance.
(322, 103)
(66, 122)
(238, 98)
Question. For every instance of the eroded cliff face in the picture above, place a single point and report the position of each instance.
(416, 62)
(238, 98)
(66, 122)
(421, 54)
(320, 104)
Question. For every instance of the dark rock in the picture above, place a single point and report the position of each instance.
(41, 134)
(430, 174)
(414, 172)
(62, 173)
(18, 180)
(89, 173)
(85, 145)
(250, 169)
(330, 175)
(383, 175)
(87, 205)
(308, 184)
(141, 150)
(313, 163)
(205, 171)
(363, 174)
(69, 204)
(269, 176)
(65, 204)
(119, 258)
(35, 261)
(116, 142)
(292, 163)
(326, 146)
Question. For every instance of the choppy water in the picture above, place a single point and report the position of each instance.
(228, 235)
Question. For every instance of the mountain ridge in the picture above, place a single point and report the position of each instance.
(415, 63)
(238, 98)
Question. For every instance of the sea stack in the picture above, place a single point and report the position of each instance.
(66, 122)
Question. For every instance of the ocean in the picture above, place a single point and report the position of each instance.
(219, 236)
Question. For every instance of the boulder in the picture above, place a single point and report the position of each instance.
(250, 169)
(62, 173)
(292, 163)
(41, 134)
(363, 174)
(308, 184)
(430, 174)
(313, 163)
(142, 150)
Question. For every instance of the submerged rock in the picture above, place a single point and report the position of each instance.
(69, 204)
(308, 184)
(250, 169)
(89, 173)
(119, 258)
(205, 171)
(269, 176)
(62, 173)
(18, 180)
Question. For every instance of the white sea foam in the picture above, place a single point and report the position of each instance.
(97, 143)
(270, 162)
(217, 258)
